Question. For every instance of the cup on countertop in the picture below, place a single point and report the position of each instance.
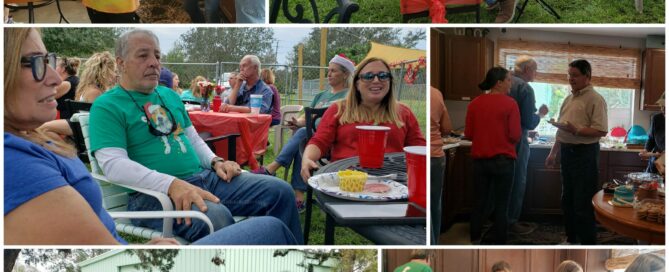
(416, 158)
(372, 145)
(256, 103)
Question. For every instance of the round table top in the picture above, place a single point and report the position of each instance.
(622, 220)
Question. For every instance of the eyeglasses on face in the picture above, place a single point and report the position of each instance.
(38, 64)
(382, 76)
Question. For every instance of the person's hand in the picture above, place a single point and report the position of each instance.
(543, 110)
(163, 241)
(660, 167)
(241, 77)
(550, 161)
(566, 126)
(307, 166)
(292, 123)
(225, 107)
(227, 170)
(645, 155)
(184, 195)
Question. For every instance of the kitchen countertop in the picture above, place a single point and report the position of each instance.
(541, 145)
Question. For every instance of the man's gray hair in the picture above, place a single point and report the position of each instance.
(255, 60)
(122, 42)
(522, 62)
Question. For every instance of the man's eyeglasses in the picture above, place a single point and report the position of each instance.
(38, 64)
(382, 76)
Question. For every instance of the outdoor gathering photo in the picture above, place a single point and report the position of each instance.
(159, 136)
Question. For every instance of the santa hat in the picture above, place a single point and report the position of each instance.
(342, 60)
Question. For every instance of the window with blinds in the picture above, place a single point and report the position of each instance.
(612, 67)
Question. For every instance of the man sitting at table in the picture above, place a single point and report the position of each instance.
(142, 136)
(239, 99)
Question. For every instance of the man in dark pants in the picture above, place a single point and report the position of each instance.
(524, 71)
(583, 121)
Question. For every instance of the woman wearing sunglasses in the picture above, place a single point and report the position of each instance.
(370, 101)
(50, 198)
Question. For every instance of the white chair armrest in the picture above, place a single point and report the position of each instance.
(165, 214)
(165, 200)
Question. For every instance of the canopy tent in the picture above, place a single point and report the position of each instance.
(394, 55)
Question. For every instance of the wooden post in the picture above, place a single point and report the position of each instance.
(324, 49)
(300, 49)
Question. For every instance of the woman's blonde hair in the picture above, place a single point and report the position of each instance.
(569, 266)
(350, 110)
(194, 88)
(14, 40)
(267, 76)
(98, 71)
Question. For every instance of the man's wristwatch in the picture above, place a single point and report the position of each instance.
(214, 161)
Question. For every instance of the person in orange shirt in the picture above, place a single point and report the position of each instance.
(440, 126)
(112, 11)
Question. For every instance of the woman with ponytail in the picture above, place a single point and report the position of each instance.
(493, 126)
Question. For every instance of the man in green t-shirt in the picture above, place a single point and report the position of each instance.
(420, 262)
(142, 136)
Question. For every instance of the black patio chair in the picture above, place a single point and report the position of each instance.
(311, 115)
(73, 107)
(343, 10)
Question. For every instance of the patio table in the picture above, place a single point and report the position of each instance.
(394, 163)
(623, 220)
(253, 130)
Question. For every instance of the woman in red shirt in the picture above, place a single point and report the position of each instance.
(493, 126)
(369, 102)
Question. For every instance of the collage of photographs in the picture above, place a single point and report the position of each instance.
(334, 135)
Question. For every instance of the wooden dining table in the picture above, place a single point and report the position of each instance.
(253, 130)
(622, 220)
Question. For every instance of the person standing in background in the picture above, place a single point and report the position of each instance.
(524, 72)
(440, 126)
(501, 266)
(583, 121)
(67, 70)
(420, 262)
(655, 145)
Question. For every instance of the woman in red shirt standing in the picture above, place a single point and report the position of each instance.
(493, 126)
(369, 102)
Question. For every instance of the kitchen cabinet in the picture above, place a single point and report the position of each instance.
(544, 185)
(228, 10)
(459, 64)
(652, 85)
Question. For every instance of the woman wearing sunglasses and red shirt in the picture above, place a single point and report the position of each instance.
(493, 126)
(370, 101)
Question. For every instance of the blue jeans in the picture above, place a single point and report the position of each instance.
(438, 166)
(519, 179)
(290, 153)
(250, 11)
(264, 230)
(210, 8)
(246, 195)
(493, 181)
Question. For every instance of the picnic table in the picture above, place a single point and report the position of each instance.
(253, 130)
(395, 234)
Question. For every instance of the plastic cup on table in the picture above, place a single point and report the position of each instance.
(416, 158)
(216, 103)
(371, 145)
(256, 103)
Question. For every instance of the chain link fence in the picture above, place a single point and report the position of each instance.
(312, 80)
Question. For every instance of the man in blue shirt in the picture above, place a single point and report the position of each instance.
(239, 99)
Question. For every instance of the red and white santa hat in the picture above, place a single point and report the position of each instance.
(342, 60)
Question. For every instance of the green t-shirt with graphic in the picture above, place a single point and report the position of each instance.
(413, 267)
(117, 121)
(325, 98)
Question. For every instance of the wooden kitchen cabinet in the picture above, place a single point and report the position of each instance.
(652, 85)
(544, 185)
(459, 64)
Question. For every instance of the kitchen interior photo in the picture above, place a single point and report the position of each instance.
(628, 71)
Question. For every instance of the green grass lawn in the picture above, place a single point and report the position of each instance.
(571, 11)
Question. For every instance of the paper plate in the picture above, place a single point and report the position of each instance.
(328, 183)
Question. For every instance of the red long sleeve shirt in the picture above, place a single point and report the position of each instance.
(342, 140)
(493, 126)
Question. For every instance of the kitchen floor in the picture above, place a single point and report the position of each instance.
(547, 233)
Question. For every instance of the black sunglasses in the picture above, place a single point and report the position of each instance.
(152, 128)
(382, 76)
(38, 64)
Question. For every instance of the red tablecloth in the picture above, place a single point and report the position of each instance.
(436, 7)
(253, 130)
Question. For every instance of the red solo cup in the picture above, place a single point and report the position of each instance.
(216, 103)
(416, 157)
(371, 145)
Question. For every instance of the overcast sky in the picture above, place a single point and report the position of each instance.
(287, 37)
